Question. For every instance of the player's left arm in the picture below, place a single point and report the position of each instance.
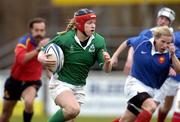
(120, 49)
(107, 67)
(103, 58)
(176, 63)
(175, 60)
(22, 56)
(29, 55)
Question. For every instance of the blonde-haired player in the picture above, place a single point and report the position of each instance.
(147, 75)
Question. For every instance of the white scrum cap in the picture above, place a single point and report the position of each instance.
(167, 12)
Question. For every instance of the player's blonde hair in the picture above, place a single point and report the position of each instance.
(70, 26)
(162, 31)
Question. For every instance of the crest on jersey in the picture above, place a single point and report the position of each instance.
(92, 48)
(161, 59)
(72, 48)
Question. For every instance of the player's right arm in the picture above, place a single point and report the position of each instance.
(47, 62)
(21, 53)
(22, 56)
(134, 42)
(175, 60)
(121, 48)
(43, 57)
(129, 61)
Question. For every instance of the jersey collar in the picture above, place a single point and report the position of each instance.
(89, 41)
(153, 51)
(32, 40)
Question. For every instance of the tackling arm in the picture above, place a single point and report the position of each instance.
(121, 48)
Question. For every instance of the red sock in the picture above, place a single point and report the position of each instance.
(161, 116)
(144, 116)
(176, 117)
(116, 120)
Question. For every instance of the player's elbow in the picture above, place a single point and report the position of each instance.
(177, 69)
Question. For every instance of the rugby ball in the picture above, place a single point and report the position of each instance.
(56, 54)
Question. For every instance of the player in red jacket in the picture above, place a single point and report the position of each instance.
(24, 80)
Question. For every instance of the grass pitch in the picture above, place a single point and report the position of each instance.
(79, 119)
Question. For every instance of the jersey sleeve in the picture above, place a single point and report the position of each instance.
(55, 40)
(21, 49)
(135, 41)
(147, 33)
(100, 58)
(177, 43)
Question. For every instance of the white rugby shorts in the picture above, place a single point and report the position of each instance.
(56, 87)
(133, 86)
(170, 87)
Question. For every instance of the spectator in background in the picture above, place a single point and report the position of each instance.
(24, 80)
(82, 47)
(147, 75)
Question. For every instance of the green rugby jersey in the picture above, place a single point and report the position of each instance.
(78, 59)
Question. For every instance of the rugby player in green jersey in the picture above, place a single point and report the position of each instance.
(82, 47)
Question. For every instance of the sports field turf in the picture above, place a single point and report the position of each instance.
(79, 119)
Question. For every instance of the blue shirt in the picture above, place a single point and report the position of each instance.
(149, 67)
(177, 43)
(147, 32)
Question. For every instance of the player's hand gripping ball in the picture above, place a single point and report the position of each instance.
(56, 54)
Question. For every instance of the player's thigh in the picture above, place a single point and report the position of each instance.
(62, 93)
(66, 98)
(30, 90)
(8, 106)
(168, 101)
(29, 93)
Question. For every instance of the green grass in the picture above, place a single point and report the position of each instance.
(104, 119)
(79, 119)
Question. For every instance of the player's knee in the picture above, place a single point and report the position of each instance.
(72, 111)
(7, 112)
(135, 103)
(149, 105)
(165, 109)
(5, 116)
(28, 104)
